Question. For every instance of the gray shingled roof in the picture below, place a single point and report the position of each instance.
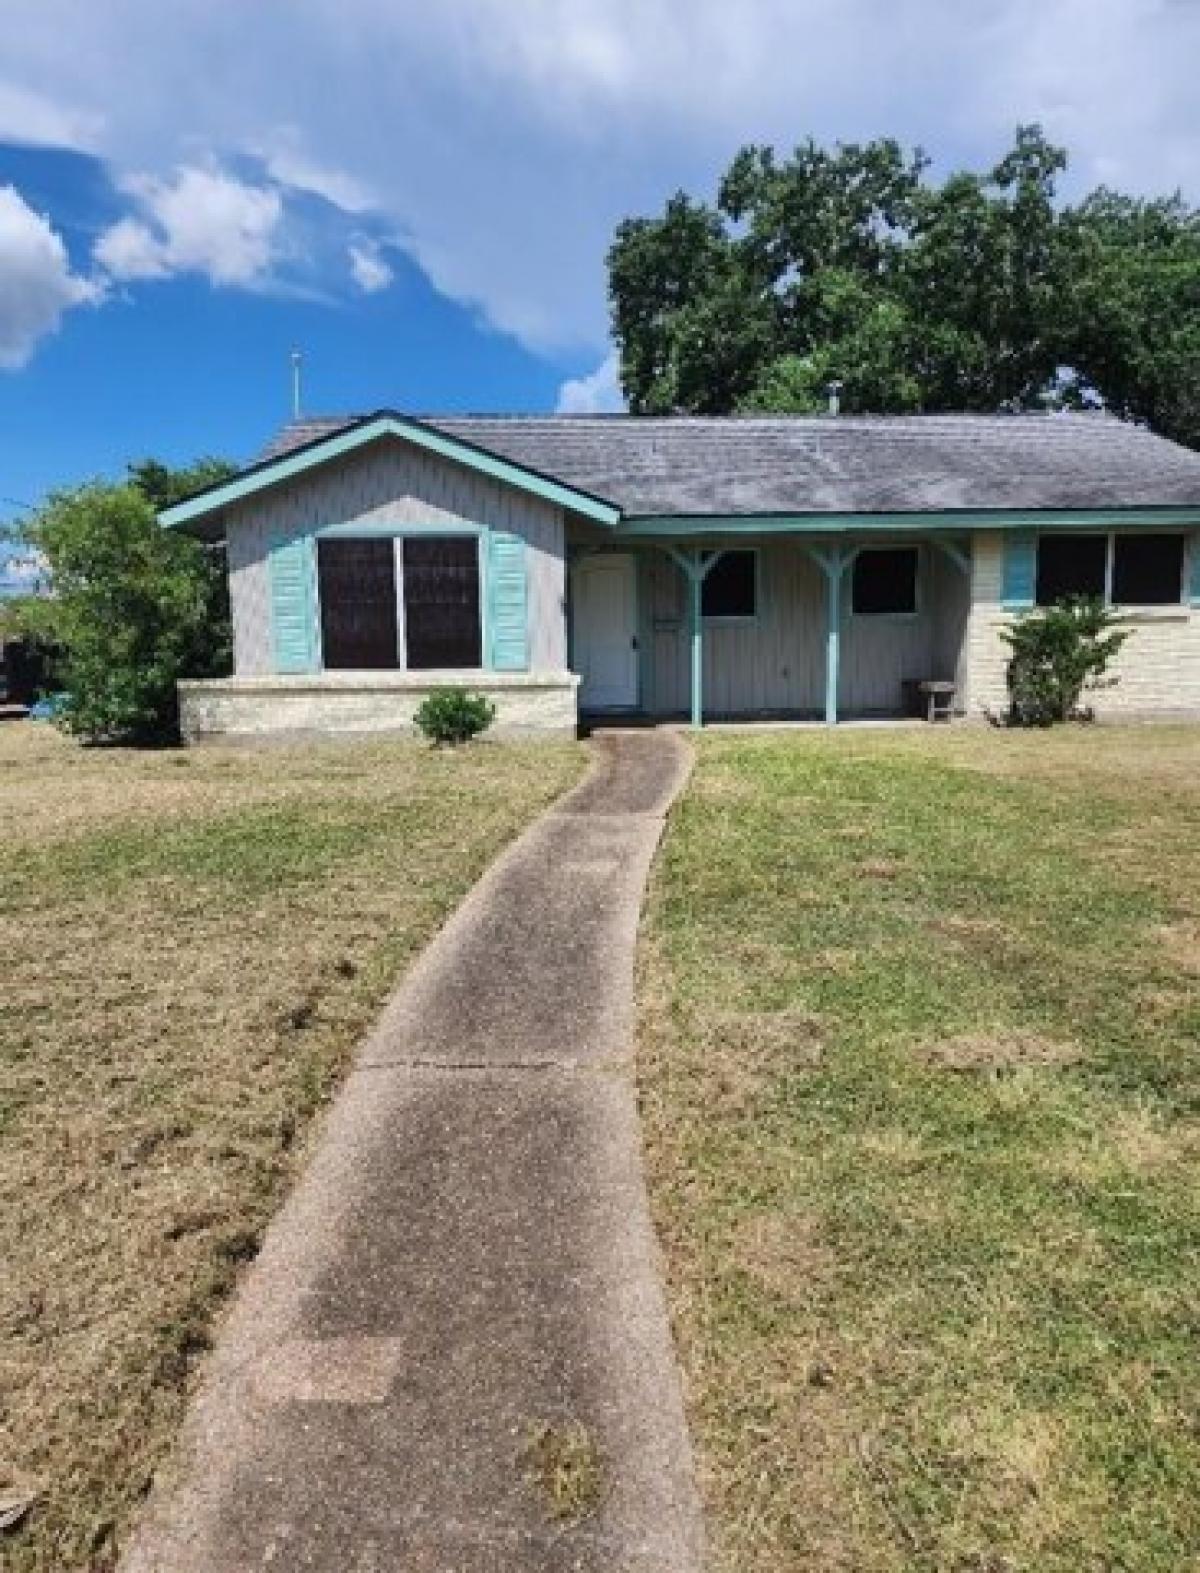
(828, 464)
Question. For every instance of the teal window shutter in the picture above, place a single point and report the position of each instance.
(295, 641)
(1194, 572)
(507, 603)
(1020, 571)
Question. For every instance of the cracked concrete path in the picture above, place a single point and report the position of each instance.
(468, 1255)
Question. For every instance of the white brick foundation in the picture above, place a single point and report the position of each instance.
(527, 704)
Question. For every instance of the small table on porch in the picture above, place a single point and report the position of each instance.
(929, 697)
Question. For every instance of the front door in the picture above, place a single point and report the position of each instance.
(604, 626)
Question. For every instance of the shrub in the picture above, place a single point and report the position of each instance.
(133, 606)
(454, 715)
(1057, 653)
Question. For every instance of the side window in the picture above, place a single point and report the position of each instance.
(1070, 565)
(885, 582)
(730, 587)
(1147, 570)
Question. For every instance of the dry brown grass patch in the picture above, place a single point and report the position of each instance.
(1180, 942)
(782, 1251)
(1007, 1049)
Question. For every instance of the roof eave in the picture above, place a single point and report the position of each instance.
(669, 525)
(386, 423)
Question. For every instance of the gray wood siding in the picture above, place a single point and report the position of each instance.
(776, 662)
(391, 484)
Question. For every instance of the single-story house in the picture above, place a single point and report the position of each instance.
(700, 567)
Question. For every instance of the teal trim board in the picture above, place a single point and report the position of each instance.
(669, 526)
(295, 630)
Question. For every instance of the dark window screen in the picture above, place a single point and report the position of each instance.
(729, 588)
(1147, 570)
(357, 586)
(1070, 565)
(441, 602)
(886, 582)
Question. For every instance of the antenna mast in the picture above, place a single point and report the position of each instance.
(297, 360)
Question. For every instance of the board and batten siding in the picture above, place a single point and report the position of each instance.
(775, 662)
(1157, 669)
(392, 485)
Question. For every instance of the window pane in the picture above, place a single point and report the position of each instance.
(885, 581)
(441, 602)
(1147, 570)
(729, 588)
(1070, 565)
(357, 590)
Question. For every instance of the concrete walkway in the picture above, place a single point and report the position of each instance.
(468, 1256)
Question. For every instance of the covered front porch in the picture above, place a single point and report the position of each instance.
(785, 626)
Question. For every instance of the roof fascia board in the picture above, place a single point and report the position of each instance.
(290, 465)
(692, 525)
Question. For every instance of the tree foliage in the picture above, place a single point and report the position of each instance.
(852, 265)
(132, 606)
(1057, 653)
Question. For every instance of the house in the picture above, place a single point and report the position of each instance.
(696, 567)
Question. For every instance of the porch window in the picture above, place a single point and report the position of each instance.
(730, 588)
(1122, 570)
(357, 588)
(884, 582)
(441, 602)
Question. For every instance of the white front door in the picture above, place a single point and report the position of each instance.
(604, 626)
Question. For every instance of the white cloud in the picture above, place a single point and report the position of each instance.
(28, 117)
(200, 220)
(502, 139)
(368, 267)
(286, 159)
(37, 285)
(598, 393)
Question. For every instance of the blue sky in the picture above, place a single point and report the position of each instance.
(420, 196)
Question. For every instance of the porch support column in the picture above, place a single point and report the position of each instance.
(695, 565)
(833, 562)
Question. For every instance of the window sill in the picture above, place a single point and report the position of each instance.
(1152, 614)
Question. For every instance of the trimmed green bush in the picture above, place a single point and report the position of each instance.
(1057, 653)
(454, 715)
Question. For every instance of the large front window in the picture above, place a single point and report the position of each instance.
(1125, 570)
(441, 602)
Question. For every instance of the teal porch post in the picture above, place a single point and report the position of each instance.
(833, 562)
(695, 565)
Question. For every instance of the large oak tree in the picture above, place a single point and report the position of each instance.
(851, 265)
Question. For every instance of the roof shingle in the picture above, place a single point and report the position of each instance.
(718, 465)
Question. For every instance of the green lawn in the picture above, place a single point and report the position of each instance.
(190, 943)
(920, 1024)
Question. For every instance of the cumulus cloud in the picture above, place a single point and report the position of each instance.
(502, 139)
(369, 269)
(199, 220)
(598, 393)
(37, 284)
